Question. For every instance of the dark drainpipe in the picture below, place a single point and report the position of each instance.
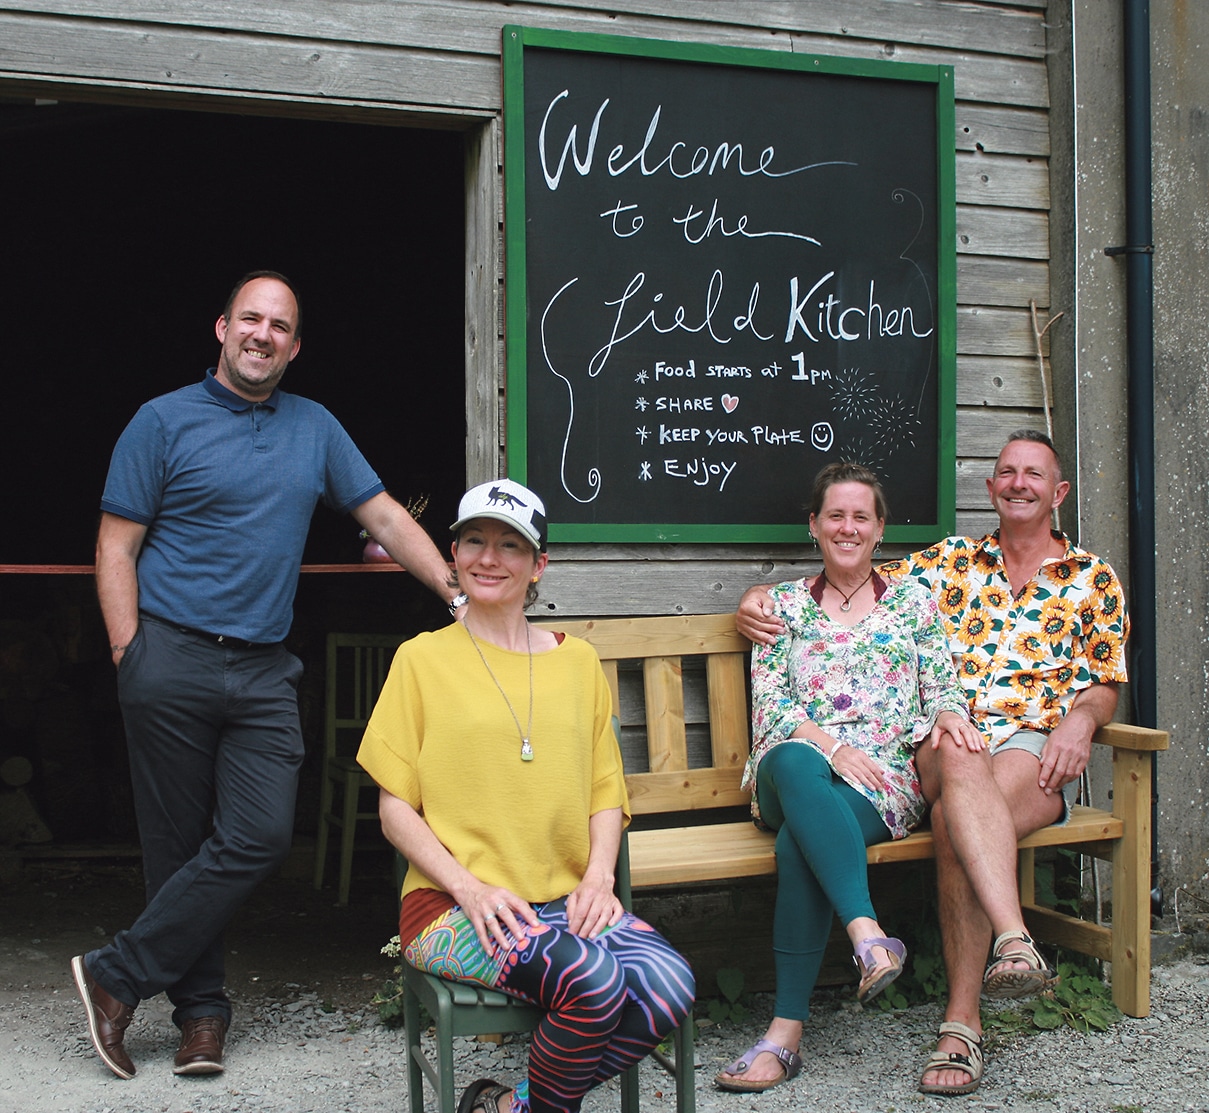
(1139, 284)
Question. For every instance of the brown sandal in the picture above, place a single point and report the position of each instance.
(1016, 946)
(482, 1096)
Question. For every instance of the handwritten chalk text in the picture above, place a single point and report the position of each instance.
(701, 471)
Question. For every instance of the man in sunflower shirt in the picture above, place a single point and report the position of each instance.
(1038, 629)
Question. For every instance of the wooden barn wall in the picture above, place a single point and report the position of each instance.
(436, 63)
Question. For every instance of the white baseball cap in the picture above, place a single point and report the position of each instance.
(505, 501)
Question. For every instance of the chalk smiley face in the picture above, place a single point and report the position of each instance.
(822, 436)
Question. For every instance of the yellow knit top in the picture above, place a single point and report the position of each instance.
(442, 739)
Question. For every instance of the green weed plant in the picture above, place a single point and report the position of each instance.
(727, 1006)
(389, 998)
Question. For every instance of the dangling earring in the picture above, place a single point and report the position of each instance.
(877, 548)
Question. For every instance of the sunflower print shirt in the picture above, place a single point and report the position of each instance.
(1022, 660)
(878, 686)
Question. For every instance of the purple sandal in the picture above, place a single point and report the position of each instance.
(791, 1061)
(873, 980)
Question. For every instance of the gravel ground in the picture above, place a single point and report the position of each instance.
(314, 1043)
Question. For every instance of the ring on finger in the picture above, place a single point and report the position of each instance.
(498, 907)
(490, 916)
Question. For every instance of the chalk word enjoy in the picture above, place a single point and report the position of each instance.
(700, 471)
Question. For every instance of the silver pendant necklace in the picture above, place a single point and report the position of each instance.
(846, 605)
(526, 746)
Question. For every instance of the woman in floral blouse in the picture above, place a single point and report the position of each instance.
(861, 676)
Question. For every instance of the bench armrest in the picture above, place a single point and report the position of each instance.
(1126, 736)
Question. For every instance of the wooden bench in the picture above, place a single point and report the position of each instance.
(686, 736)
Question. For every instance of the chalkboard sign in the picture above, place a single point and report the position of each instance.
(725, 269)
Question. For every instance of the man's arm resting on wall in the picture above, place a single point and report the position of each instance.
(389, 523)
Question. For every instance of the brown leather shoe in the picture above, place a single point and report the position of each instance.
(200, 1051)
(108, 1019)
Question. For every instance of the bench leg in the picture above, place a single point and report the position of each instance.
(1027, 868)
(1131, 883)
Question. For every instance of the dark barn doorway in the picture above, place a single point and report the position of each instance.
(124, 230)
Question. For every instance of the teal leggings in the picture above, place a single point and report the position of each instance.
(823, 826)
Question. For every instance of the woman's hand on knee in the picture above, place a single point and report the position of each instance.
(495, 911)
(855, 765)
(591, 908)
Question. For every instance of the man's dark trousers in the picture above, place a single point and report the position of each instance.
(215, 747)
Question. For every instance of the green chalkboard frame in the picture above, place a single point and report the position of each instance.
(515, 41)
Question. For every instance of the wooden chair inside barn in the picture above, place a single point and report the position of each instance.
(357, 665)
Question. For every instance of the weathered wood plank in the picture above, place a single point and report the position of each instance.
(975, 524)
(675, 634)
(991, 381)
(572, 587)
(1002, 180)
(482, 254)
(450, 58)
(983, 431)
(1012, 232)
(1002, 131)
(971, 486)
(961, 26)
(995, 280)
(932, 22)
(198, 60)
(988, 331)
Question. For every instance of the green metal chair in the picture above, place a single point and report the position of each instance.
(458, 1009)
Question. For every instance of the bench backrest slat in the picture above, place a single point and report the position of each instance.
(663, 685)
(660, 647)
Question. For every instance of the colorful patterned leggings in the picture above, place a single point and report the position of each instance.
(609, 999)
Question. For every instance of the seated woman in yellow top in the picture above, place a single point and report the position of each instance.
(501, 783)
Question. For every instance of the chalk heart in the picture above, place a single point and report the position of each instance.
(730, 403)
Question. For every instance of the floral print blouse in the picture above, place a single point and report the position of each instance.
(878, 686)
(1023, 659)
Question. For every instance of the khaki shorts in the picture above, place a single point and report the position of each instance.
(1033, 741)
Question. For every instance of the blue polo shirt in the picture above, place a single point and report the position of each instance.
(226, 489)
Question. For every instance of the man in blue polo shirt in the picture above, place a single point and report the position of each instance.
(204, 515)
